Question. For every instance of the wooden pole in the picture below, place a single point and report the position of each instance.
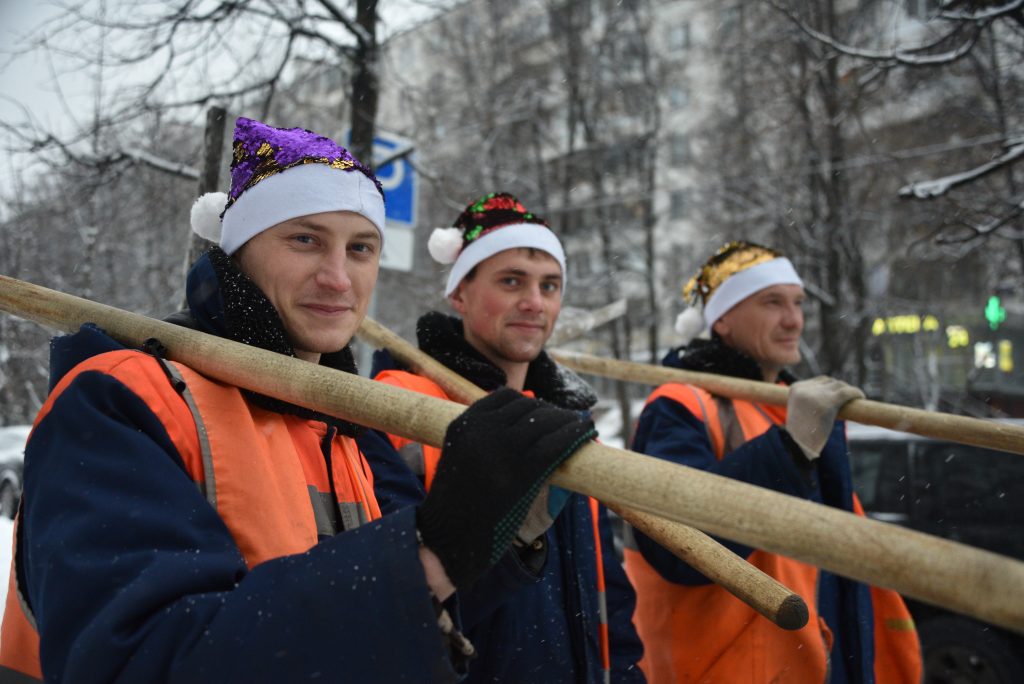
(758, 590)
(944, 426)
(978, 583)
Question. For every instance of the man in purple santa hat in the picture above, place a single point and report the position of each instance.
(176, 528)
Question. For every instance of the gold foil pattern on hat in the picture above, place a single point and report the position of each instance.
(732, 258)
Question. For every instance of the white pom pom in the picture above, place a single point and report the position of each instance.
(689, 324)
(444, 245)
(205, 216)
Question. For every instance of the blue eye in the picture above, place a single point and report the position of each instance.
(363, 248)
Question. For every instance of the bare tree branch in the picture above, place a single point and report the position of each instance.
(986, 229)
(917, 56)
(938, 187)
(355, 29)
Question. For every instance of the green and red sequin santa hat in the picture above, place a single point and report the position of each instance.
(492, 224)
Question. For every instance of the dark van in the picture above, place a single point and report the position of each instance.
(964, 493)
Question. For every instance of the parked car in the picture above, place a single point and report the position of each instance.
(12, 454)
(963, 493)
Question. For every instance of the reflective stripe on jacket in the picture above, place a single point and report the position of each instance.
(701, 633)
(263, 472)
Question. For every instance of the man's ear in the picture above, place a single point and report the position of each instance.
(722, 327)
(457, 300)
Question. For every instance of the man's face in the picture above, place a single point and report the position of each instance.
(510, 305)
(767, 325)
(318, 271)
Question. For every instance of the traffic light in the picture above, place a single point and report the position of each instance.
(994, 312)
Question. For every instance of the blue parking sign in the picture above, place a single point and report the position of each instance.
(398, 180)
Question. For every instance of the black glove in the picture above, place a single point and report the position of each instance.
(496, 457)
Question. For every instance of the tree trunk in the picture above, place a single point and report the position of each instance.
(209, 181)
(365, 85)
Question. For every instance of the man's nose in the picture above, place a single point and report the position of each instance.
(532, 299)
(794, 316)
(333, 273)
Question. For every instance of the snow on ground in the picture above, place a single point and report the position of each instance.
(12, 443)
(6, 535)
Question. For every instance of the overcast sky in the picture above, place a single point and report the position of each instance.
(27, 79)
(27, 83)
(35, 89)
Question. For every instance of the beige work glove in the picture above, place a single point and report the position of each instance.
(812, 408)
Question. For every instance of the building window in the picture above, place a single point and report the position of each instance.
(679, 150)
(679, 204)
(677, 38)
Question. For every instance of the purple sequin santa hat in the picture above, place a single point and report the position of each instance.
(279, 174)
(495, 222)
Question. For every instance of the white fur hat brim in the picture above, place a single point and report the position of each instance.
(498, 240)
(300, 191)
(741, 285)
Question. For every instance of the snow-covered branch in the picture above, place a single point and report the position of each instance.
(938, 187)
(1004, 10)
(40, 143)
(918, 55)
(161, 164)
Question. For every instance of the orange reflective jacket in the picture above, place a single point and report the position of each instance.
(704, 634)
(264, 472)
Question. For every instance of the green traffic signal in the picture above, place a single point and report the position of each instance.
(994, 312)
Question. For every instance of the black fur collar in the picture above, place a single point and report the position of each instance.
(441, 337)
(226, 302)
(714, 356)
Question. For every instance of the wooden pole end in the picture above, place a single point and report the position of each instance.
(792, 613)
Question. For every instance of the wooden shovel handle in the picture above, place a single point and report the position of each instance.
(944, 426)
(978, 583)
(761, 592)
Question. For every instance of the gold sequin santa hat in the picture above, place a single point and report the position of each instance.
(733, 273)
